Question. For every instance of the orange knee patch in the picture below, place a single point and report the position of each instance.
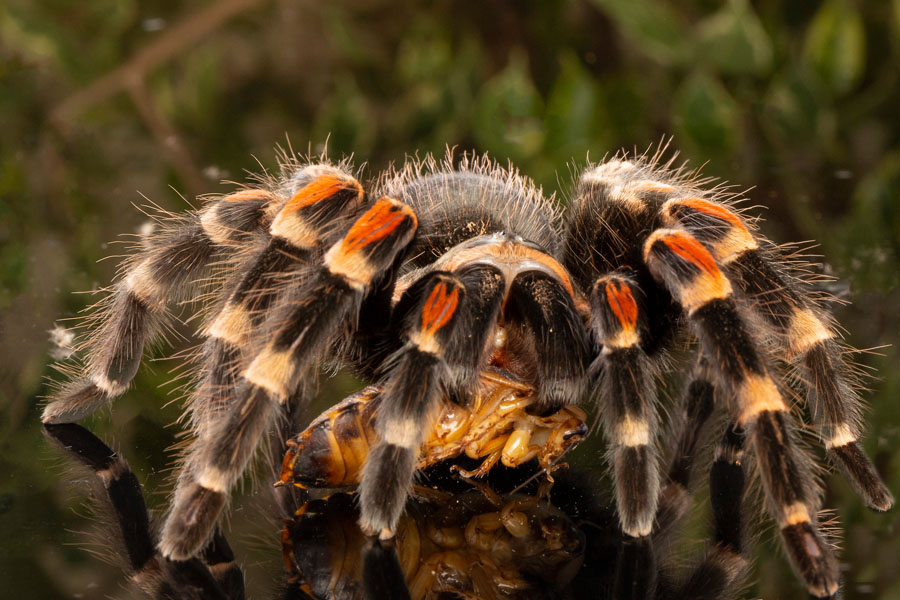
(376, 224)
(350, 258)
(621, 301)
(440, 306)
(692, 251)
(321, 188)
(734, 240)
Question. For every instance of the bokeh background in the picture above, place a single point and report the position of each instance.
(110, 103)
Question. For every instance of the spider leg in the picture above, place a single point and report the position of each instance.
(303, 224)
(131, 316)
(690, 273)
(302, 328)
(674, 497)
(805, 331)
(628, 392)
(213, 575)
(726, 488)
(415, 384)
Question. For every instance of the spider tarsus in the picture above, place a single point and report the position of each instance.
(75, 401)
(860, 471)
(195, 510)
(386, 478)
(811, 555)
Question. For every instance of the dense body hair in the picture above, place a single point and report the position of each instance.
(468, 198)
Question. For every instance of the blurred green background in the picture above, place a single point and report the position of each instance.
(105, 102)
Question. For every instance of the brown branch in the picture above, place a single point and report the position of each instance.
(171, 43)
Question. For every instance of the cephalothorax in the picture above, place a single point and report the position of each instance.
(449, 269)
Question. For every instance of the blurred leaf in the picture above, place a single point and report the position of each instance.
(707, 115)
(896, 18)
(653, 27)
(189, 91)
(53, 31)
(791, 109)
(436, 86)
(508, 112)
(346, 120)
(625, 110)
(734, 41)
(835, 46)
(575, 121)
(871, 233)
(424, 54)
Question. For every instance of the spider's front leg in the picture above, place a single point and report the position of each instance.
(300, 330)
(445, 320)
(691, 274)
(627, 393)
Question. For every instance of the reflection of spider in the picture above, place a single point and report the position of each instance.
(469, 545)
(454, 268)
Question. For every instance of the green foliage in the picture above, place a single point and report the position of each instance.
(706, 114)
(734, 42)
(835, 47)
(508, 116)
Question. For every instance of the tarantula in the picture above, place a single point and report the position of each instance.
(450, 268)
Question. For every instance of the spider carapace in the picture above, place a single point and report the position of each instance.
(450, 268)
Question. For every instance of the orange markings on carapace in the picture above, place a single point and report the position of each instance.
(509, 253)
(692, 251)
(711, 208)
(322, 187)
(622, 304)
(377, 223)
(439, 307)
(248, 196)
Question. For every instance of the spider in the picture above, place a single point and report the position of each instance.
(451, 267)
